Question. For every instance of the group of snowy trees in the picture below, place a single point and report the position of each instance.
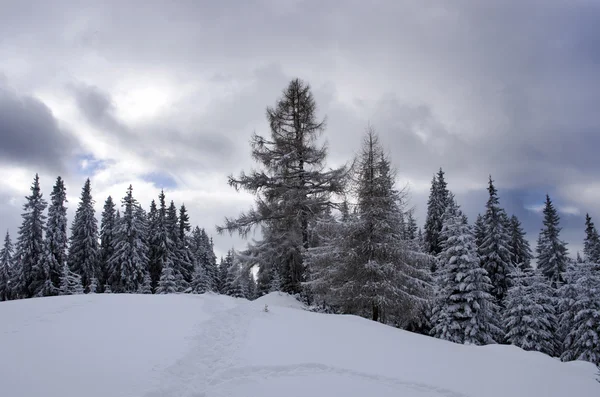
(345, 240)
(488, 292)
(133, 251)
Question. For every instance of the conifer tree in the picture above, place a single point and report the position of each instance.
(376, 273)
(200, 280)
(464, 310)
(182, 260)
(161, 247)
(494, 250)
(30, 278)
(70, 283)
(129, 261)
(411, 227)
(551, 250)
(108, 229)
(56, 232)
(6, 269)
(591, 244)
(530, 317)
(146, 287)
(224, 267)
(520, 252)
(583, 339)
(84, 250)
(293, 187)
(436, 206)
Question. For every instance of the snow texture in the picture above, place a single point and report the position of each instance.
(208, 345)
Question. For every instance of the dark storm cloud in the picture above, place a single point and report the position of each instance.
(97, 107)
(30, 135)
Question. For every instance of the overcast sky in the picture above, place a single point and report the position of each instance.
(166, 94)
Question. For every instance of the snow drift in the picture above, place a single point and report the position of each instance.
(209, 345)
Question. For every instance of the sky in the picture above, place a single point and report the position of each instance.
(166, 95)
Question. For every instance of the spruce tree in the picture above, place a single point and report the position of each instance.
(6, 269)
(182, 260)
(56, 232)
(520, 252)
(108, 229)
(129, 261)
(377, 275)
(583, 339)
(224, 266)
(530, 316)
(30, 277)
(146, 287)
(551, 250)
(463, 310)
(436, 206)
(293, 187)
(84, 250)
(160, 247)
(591, 244)
(70, 282)
(494, 250)
(411, 227)
(200, 280)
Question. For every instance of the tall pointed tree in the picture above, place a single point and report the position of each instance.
(183, 263)
(6, 268)
(84, 250)
(591, 244)
(582, 314)
(464, 310)
(129, 261)
(108, 230)
(56, 231)
(495, 247)
(436, 206)
(377, 276)
(293, 186)
(551, 250)
(520, 252)
(30, 278)
(530, 317)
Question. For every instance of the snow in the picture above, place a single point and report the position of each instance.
(209, 345)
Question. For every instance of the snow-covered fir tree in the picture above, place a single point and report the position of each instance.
(129, 261)
(6, 268)
(520, 252)
(464, 309)
(495, 247)
(436, 206)
(530, 317)
(108, 229)
(591, 244)
(224, 266)
(202, 249)
(375, 274)
(182, 260)
(29, 276)
(551, 250)
(168, 282)
(160, 247)
(293, 187)
(83, 248)
(56, 232)
(234, 284)
(411, 227)
(582, 314)
(146, 287)
(70, 282)
(200, 281)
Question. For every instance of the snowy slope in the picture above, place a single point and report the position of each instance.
(186, 345)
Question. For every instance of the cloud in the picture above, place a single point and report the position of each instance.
(30, 135)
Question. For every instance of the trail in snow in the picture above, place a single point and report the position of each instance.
(216, 350)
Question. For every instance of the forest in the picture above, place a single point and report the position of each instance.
(343, 240)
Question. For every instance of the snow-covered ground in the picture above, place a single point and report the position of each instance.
(208, 345)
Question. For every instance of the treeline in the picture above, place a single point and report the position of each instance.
(345, 240)
(133, 251)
